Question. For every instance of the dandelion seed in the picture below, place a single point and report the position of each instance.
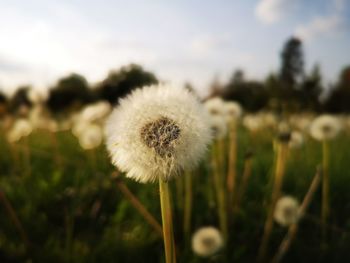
(287, 211)
(207, 241)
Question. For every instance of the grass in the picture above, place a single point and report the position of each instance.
(75, 213)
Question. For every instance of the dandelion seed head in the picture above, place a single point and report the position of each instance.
(21, 128)
(218, 126)
(157, 132)
(96, 112)
(325, 127)
(207, 241)
(296, 140)
(216, 106)
(287, 211)
(91, 137)
(233, 110)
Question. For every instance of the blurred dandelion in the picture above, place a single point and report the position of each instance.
(207, 241)
(287, 211)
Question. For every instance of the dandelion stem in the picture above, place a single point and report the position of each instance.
(282, 150)
(168, 235)
(293, 229)
(26, 156)
(55, 146)
(188, 206)
(139, 207)
(245, 178)
(219, 188)
(231, 175)
(325, 188)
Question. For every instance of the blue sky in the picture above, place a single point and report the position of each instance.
(180, 40)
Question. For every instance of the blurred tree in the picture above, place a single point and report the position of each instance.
(120, 83)
(215, 88)
(20, 103)
(292, 62)
(339, 98)
(291, 74)
(311, 89)
(3, 104)
(238, 76)
(3, 98)
(69, 93)
(252, 95)
(273, 88)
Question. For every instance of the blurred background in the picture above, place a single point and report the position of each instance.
(65, 64)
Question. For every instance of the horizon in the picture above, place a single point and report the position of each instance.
(186, 41)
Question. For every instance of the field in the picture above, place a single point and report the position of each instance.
(70, 207)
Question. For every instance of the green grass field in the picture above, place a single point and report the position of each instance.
(72, 211)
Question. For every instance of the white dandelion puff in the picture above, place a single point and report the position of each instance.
(287, 211)
(156, 132)
(207, 241)
(252, 122)
(325, 127)
(91, 137)
(296, 140)
(233, 110)
(21, 128)
(218, 126)
(79, 126)
(216, 106)
(96, 112)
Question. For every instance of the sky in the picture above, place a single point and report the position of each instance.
(180, 41)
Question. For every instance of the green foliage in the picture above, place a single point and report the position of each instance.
(69, 92)
(75, 213)
(120, 83)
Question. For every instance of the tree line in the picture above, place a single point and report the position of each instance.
(290, 89)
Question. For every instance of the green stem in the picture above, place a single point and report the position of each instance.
(325, 188)
(168, 234)
(282, 151)
(188, 206)
(231, 175)
(219, 188)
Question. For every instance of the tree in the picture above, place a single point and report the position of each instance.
(292, 63)
(69, 92)
(310, 90)
(3, 104)
(252, 95)
(339, 98)
(20, 100)
(238, 76)
(119, 83)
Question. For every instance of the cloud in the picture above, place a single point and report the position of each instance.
(271, 11)
(319, 26)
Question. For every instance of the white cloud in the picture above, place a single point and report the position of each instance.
(271, 11)
(319, 26)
